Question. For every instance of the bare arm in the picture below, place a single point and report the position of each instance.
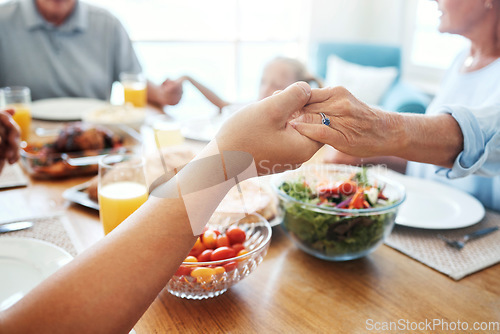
(108, 287)
(208, 93)
(362, 131)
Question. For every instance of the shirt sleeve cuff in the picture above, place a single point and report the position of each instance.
(473, 155)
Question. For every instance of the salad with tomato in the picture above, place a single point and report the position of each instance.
(337, 216)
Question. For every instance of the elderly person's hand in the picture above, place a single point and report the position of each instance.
(263, 130)
(355, 128)
(363, 131)
(9, 138)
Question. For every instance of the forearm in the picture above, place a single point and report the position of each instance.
(110, 286)
(435, 139)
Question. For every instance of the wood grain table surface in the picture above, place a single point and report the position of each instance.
(292, 292)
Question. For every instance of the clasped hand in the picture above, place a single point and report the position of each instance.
(286, 129)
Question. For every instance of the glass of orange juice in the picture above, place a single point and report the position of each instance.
(134, 89)
(167, 131)
(121, 188)
(19, 99)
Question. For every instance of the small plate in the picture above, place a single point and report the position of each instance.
(78, 195)
(24, 263)
(64, 109)
(433, 205)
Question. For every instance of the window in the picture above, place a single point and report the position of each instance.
(222, 43)
(430, 47)
(428, 52)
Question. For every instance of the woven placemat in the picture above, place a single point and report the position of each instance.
(425, 246)
(12, 176)
(51, 229)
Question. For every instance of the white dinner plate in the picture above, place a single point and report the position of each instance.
(24, 263)
(64, 109)
(433, 205)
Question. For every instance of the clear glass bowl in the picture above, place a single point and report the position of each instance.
(258, 233)
(331, 233)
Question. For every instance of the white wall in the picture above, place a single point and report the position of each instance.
(370, 21)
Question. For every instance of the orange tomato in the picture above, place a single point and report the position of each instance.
(236, 235)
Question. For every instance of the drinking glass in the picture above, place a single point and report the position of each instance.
(134, 89)
(121, 188)
(19, 99)
(167, 131)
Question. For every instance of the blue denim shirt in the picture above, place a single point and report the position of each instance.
(80, 58)
(473, 99)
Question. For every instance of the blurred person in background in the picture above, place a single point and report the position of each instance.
(469, 100)
(68, 48)
(278, 74)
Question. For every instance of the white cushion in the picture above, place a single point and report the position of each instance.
(366, 83)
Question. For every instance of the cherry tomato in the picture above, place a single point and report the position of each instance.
(197, 249)
(236, 235)
(205, 255)
(219, 270)
(183, 270)
(209, 239)
(242, 252)
(237, 247)
(191, 258)
(230, 266)
(222, 241)
(222, 253)
(203, 274)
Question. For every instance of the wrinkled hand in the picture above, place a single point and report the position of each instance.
(9, 138)
(355, 129)
(171, 91)
(262, 129)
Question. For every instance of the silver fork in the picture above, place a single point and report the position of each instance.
(459, 244)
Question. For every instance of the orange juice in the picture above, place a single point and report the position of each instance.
(119, 200)
(23, 118)
(136, 94)
(168, 135)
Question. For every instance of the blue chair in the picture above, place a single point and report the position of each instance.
(400, 97)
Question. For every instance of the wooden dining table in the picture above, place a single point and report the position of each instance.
(293, 292)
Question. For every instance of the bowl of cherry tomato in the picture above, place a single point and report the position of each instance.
(225, 253)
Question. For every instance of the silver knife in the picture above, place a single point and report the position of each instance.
(90, 160)
(16, 226)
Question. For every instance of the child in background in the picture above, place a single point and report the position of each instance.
(278, 74)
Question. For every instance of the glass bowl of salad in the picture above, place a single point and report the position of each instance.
(226, 252)
(337, 212)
